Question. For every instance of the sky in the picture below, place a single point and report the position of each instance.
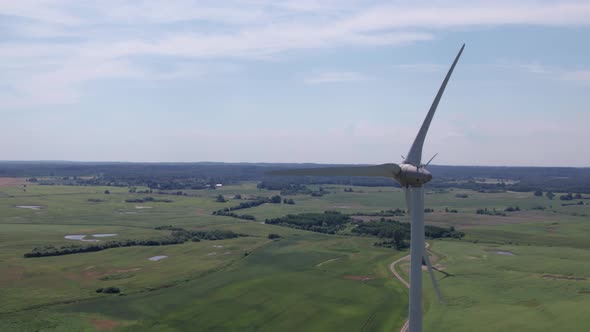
(332, 81)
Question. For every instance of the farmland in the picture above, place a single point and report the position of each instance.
(303, 280)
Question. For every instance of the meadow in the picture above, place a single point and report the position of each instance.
(301, 281)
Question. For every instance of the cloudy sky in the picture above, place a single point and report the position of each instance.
(334, 81)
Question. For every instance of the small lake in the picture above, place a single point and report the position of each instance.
(505, 253)
(31, 207)
(79, 238)
(157, 258)
(84, 239)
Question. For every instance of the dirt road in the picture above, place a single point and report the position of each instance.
(399, 277)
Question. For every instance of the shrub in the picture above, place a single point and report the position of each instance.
(111, 290)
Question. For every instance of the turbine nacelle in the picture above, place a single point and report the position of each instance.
(413, 176)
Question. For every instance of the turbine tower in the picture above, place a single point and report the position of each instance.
(411, 175)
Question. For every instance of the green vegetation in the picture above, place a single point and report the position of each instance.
(395, 234)
(109, 290)
(328, 222)
(147, 199)
(525, 271)
(382, 213)
(491, 212)
(178, 236)
(512, 209)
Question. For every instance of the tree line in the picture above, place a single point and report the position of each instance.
(228, 211)
(148, 199)
(171, 176)
(382, 213)
(177, 236)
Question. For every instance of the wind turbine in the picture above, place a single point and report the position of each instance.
(411, 175)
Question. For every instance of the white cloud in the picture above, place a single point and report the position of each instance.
(111, 34)
(335, 77)
(422, 67)
(576, 75)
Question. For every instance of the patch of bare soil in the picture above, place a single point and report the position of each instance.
(560, 277)
(12, 182)
(97, 274)
(551, 230)
(104, 324)
(201, 212)
(10, 275)
(360, 278)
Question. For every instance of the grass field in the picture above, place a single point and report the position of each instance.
(304, 281)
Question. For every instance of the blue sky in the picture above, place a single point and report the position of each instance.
(294, 81)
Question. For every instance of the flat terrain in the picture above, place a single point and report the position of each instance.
(525, 271)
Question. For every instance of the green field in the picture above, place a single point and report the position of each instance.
(303, 281)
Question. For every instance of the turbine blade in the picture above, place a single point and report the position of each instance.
(384, 170)
(415, 154)
(431, 159)
(432, 277)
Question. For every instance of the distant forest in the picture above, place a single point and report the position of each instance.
(178, 176)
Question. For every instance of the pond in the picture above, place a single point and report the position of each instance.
(157, 258)
(83, 237)
(31, 207)
(80, 238)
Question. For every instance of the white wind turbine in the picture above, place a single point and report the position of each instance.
(411, 175)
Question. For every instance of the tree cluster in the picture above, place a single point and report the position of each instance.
(491, 212)
(109, 290)
(570, 196)
(185, 235)
(570, 204)
(512, 209)
(396, 233)
(328, 222)
(148, 199)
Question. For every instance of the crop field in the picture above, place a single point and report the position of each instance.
(523, 271)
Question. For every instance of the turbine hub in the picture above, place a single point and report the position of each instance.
(412, 176)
